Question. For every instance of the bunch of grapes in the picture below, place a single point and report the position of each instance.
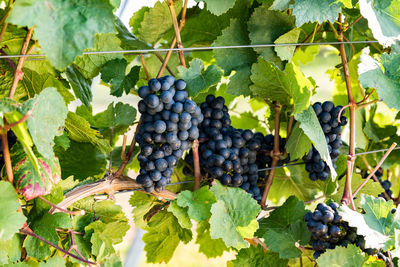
(386, 185)
(329, 230)
(169, 124)
(327, 115)
(12, 139)
(226, 153)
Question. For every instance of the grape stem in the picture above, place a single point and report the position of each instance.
(18, 71)
(144, 66)
(23, 231)
(374, 176)
(196, 160)
(168, 56)
(347, 195)
(79, 212)
(375, 169)
(6, 156)
(7, 127)
(354, 22)
(275, 157)
(171, 7)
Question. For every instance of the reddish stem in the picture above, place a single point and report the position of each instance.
(7, 158)
(54, 206)
(171, 7)
(144, 66)
(196, 160)
(121, 168)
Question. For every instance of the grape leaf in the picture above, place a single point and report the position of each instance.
(128, 40)
(376, 225)
(265, 26)
(80, 85)
(198, 79)
(10, 250)
(212, 248)
(141, 203)
(79, 130)
(90, 65)
(157, 21)
(13, 38)
(234, 208)
(280, 5)
(104, 235)
(181, 215)
(284, 241)
(383, 19)
(74, 24)
(48, 115)
(235, 59)
(198, 202)
(113, 72)
(311, 127)
(81, 160)
(118, 118)
(315, 10)
(137, 18)
(62, 141)
(10, 219)
(342, 256)
(57, 261)
(256, 256)
(298, 144)
(46, 227)
(385, 77)
(163, 236)
(219, 7)
(286, 52)
(286, 87)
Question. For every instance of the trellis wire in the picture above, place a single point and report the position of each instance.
(202, 48)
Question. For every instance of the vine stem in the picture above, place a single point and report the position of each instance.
(23, 231)
(144, 66)
(375, 169)
(290, 124)
(162, 60)
(276, 154)
(168, 56)
(347, 195)
(374, 176)
(80, 212)
(354, 22)
(18, 72)
(7, 127)
(171, 7)
(196, 160)
(7, 158)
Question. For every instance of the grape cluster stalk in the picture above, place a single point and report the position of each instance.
(169, 126)
(327, 115)
(386, 184)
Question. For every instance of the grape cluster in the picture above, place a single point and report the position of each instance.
(226, 153)
(12, 139)
(327, 115)
(329, 230)
(169, 124)
(386, 185)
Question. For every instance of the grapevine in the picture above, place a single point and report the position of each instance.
(242, 148)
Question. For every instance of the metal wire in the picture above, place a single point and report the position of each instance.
(188, 49)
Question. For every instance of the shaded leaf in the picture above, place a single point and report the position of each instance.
(315, 10)
(212, 248)
(255, 256)
(181, 214)
(80, 85)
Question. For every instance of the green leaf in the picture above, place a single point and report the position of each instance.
(240, 82)
(286, 52)
(385, 77)
(288, 87)
(315, 10)
(10, 219)
(198, 79)
(376, 225)
(141, 203)
(280, 5)
(128, 40)
(81, 160)
(212, 248)
(79, 130)
(311, 127)
(90, 65)
(255, 256)
(265, 27)
(118, 118)
(80, 85)
(298, 144)
(74, 24)
(163, 236)
(234, 208)
(350, 256)
(181, 214)
(113, 72)
(137, 18)
(383, 19)
(62, 141)
(46, 227)
(198, 202)
(48, 115)
(7, 105)
(57, 261)
(284, 241)
(219, 7)
(10, 250)
(157, 21)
